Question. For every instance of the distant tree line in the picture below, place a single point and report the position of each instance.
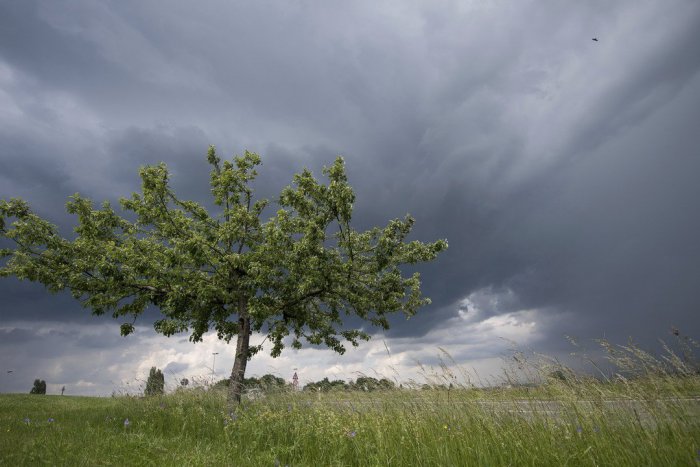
(363, 383)
(266, 382)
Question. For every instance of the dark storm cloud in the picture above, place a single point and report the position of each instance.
(560, 243)
(24, 300)
(44, 341)
(615, 245)
(561, 170)
(183, 149)
(52, 57)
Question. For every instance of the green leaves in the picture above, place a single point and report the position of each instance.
(229, 182)
(126, 329)
(293, 276)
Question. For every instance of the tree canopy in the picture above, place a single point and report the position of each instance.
(293, 275)
(39, 387)
(155, 384)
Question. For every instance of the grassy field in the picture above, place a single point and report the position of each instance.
(651, 419)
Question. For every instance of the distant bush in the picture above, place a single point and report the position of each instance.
(155, 383)
(266, 383)
(39, 387)
(367, 383)
(363, 383)
(325, 385)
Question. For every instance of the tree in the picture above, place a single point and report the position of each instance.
(270, 382)
(367, 383)
(39, 387)
(265, 382)
(155, 383)
(296, 274)
(326, 385)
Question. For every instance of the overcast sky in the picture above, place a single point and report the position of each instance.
(563, 171)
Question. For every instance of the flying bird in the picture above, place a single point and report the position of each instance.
(595, 39)
(9, 371)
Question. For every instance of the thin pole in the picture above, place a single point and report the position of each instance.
(213, 371)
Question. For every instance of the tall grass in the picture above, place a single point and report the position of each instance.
(639, 410)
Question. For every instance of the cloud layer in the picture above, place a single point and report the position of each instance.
(562, 171)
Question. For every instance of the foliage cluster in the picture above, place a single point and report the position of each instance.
(155, 384)
(39, 387)
(272, 383)
(266, 382)
(362, 383)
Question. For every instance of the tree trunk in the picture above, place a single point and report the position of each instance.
(235, 387)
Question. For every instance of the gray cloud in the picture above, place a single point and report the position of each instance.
(175, 368)
(561, 170)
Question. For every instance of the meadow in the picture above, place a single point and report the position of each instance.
(645, 413)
